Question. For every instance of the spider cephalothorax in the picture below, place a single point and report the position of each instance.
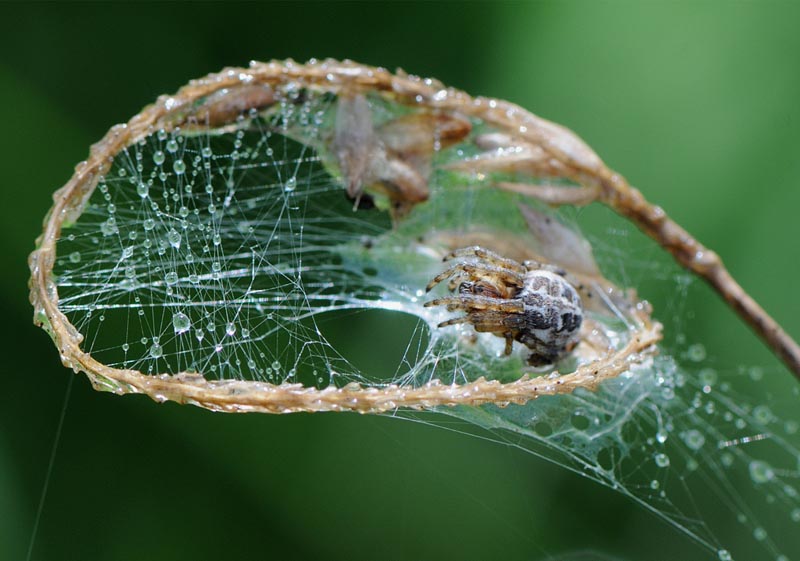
(528, 302)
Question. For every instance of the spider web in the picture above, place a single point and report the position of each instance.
(233, 252)
(196, 251)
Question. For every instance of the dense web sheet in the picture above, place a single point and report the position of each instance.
(225, 245)
(679, 442)
(213, 254)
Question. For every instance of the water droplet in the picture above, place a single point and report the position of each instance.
(276, 365)
(696, 352)
(763, 414)
(156, 351)
(760, 534)
(245, 333)
(181, 323)
(694, 439)
(194, 279)
(290, 185)
(171, 277)
(760, 471)
(183, 212)
(218, 348)
(112, 208)
(206, 152)
(174, 238)
(230, 328)
(125, 347)
(654, 484)
(127, 252)
(142, 190)
(708, 377)
(795, 515)
(172, 146)
(216, 266)
(724, 555)
(179, 166)
(109, 227)
(726, 459)
(756, 373)
(217, 239)
(661, 436)
(158, 157)
(149, 224)
(662, 460)
(75, 257)
(198, 333)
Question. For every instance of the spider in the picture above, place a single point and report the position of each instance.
(528, 302)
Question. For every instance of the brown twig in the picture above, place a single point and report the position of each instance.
(203, 101)
(702, 261)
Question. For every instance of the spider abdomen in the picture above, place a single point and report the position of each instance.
(550, 324)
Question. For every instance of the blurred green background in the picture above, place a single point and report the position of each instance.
(695, 102)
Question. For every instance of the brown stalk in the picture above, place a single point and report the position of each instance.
(233, 90)
(695, 257)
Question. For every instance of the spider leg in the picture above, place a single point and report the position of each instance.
(488, 256)
(443, 275)
(487, 321)
(472, 302)
(454, 321)
(454, 282)
(509, 276)
(491, 321)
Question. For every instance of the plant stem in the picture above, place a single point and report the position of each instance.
(695, 257)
